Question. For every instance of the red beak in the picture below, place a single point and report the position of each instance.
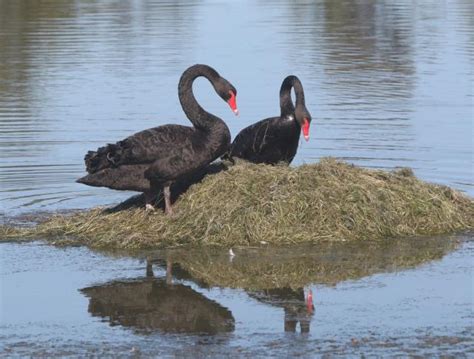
(232, 103)
(305, 129)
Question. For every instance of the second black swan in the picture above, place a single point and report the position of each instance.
(276, 139)
(166, 153)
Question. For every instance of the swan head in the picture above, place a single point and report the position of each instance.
(228, 93)
(304, 120)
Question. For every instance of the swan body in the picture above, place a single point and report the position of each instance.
(166, 153)
(275, 139)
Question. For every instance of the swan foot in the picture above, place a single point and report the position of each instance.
(149, 207)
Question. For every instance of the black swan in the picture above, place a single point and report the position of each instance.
(275, 139)
(164, 154)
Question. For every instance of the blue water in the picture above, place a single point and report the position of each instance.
(388, 84)
(423, 309)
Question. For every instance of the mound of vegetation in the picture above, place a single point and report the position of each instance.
(249, 204)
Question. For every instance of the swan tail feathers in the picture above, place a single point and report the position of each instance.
(105, 157)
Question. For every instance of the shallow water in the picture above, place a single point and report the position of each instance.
(405, 302)
(389, 84)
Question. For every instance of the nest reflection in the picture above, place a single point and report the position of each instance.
(297, 266)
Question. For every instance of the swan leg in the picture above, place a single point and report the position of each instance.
(149, 269)
(167, 195)
(169, 272)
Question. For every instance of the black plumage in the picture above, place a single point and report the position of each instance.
(275, 139)
(166, 153)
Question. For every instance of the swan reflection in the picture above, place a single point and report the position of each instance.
(297, 307)
(151, 304)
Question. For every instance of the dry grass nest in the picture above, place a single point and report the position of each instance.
(249, 204)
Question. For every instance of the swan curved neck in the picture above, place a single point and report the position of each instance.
(199, 117)
(286, 103)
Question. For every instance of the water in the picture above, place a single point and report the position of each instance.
(389, 84)
(415, 298)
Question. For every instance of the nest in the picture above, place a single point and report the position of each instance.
(249, 204)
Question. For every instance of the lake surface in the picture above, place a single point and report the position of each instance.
(389, 84)
(416, 298)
